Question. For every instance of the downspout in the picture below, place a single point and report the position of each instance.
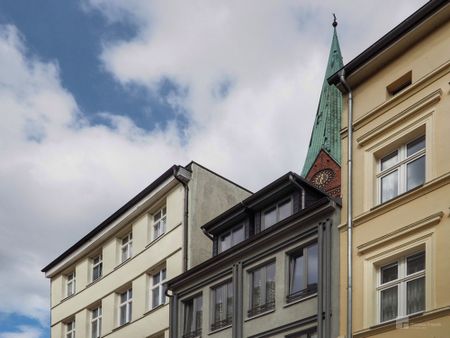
(183, 176)
(349, 205)
(291, 178)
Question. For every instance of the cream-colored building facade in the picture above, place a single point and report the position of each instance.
(401, 181)
(111, 283)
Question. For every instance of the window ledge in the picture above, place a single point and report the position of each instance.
(402, 323)
(300, 299)
(259, 315)
(220, 329)
(94, 281)
(399, 200)
(123, 263)
(156, 308)
(121, 326)
(68, 297)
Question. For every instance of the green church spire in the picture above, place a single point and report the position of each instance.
(325, 134)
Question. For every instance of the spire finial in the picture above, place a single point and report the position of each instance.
(334, 21)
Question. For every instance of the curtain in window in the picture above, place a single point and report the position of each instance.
(229, 300)
(256, 290)
(389, 300)
(270, 283)
(188, 317)
(415, 295)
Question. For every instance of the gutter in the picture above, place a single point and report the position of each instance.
(349, 205)
(291, 178)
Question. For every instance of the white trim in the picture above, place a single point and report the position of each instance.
(127, 303)
(160, 286)
(70, 333)
(98, 320)
(160, 223)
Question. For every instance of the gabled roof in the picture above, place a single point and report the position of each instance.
(325, 134)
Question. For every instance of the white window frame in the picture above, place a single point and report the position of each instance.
(71, 284)
(159, 222)
(401, 283)
(126, 246)
(97, 265)
(277, 207)
(160, 286)
(96, 317)
(127, 303)
(70, 329)
(230, 233)
(400, 166)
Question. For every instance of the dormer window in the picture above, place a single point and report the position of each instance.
(276, 213)
(231, 238)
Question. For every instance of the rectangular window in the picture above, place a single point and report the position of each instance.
(276, 213)
(159, 222)
(125, 306)
(231, 238)
(97, 266)
(96, 322)
(126, 247)
(192, 317)
(159, 287)
(303, 272)
(70, 329)
(71, 284)
(401, 170)
(262, 289)
(401, 287)
(223, 305)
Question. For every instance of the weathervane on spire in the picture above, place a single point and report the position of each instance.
(334, 21)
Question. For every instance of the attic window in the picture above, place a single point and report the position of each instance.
(399, 84)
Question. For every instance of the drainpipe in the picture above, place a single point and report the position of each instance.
(183, 176)
(349, 204)
(291, 178)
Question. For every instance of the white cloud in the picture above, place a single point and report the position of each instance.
(24, 332)
(61, 176)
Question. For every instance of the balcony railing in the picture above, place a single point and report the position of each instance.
(221, 323)
(261, 308)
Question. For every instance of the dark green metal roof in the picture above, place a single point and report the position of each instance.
(325, 134)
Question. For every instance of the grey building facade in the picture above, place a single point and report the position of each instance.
(273, 271)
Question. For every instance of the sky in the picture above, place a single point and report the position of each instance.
(99, 97)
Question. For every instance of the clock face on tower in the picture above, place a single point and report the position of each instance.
(322, 177)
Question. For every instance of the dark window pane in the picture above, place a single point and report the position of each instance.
(415, 295)
(416, 263)
(284, 210)
(389, 160)
(313, 264)
(270, 217)
(416, 173)
(256, 288)
(388, 304)
(415, 146)
(270, 283)
(225, 242)
(389, 186)
(298, 274)
(238, 235)
(389, 273)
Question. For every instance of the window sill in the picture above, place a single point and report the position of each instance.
(156, 308)
(259, 315)
(155, 240)
(220, 329)
(121, 326)
(94, 281)
(300, 299)
(123, 263)
(68, 297)
(403, 323)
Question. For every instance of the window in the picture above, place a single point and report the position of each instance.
(96, 322)
(276, 213)
(192, 318)
(70, 329)
(262, 292)
(401, 289)
(303, 272)
(126, 301)
(126, 247)
(158, 288)
(71, 284)
(97, 266)
(231, 238)
(223, 305)
(159, 222)
(401, 170)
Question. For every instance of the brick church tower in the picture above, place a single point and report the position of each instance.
(322, 165)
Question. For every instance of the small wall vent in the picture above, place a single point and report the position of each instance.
(399, 84)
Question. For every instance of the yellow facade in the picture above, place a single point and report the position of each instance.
(414, 220)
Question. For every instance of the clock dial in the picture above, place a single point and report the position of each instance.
(322, 177)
